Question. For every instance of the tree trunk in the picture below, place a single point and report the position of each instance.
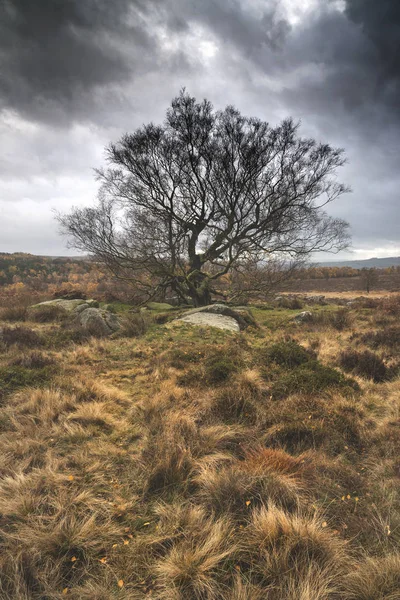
(199, 289)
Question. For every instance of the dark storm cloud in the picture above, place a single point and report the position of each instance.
(356, 56)
(58, 56)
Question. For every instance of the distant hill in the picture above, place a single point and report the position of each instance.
(378, 263)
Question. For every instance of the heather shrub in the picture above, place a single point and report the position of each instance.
(133, 325)
(340, 319)
(391, 305)
(288, 354)
(364, 363)
(311, 378)
(20, 336)
(33, 360)
(388, 336)
(13, 313)
(290, 303)
(219, 369)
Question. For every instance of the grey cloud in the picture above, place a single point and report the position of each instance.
(62, 59)
(83, 71)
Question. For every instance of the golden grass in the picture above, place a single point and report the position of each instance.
(116, 481)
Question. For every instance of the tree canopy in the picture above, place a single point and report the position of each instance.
(186, 202)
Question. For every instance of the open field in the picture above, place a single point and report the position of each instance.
(353, 285)
(187, 463)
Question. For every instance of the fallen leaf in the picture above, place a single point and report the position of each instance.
(103, 560)
(120, 583)
(248, 502)
(71, 477)
(65, 591)
(324, 524)
(73, 559)
(126, 542)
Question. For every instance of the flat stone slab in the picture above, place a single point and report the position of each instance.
(207, 319)
(68, 305)
(242, 317)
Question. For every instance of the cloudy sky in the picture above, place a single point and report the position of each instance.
(76, 74)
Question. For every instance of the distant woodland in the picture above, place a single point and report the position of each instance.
(46, 276)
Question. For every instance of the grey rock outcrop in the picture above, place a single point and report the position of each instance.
(67, 305)
(220, 316)
(97, 322)
(303, 316)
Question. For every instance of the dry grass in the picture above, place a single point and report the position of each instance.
(122, 476)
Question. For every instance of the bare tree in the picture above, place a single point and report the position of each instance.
(369, 278)
(186, 202)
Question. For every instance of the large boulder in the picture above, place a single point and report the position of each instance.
(218, 315)
(97, 322)
(67, 305)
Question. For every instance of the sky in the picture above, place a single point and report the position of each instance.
(77, 74)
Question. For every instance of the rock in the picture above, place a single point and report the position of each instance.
(210, 320)
(68, 305)
(97, 322)
(219, 315)
(81, 307)
(303, 316)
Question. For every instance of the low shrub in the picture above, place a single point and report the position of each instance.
(389, 337)
(20, 336)
(290, 303)
(34, 360)
(134, 325)
(58, 337)
(391, 305)
(47, 313)
(219, 369)
(311, 378)
(214, 367)
(13, 313)
(340, 319)
(364, 363)
(288, 354)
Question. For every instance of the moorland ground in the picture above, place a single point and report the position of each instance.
(196, 464)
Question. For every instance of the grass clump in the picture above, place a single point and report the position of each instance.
(365, 364)
(311, 378)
